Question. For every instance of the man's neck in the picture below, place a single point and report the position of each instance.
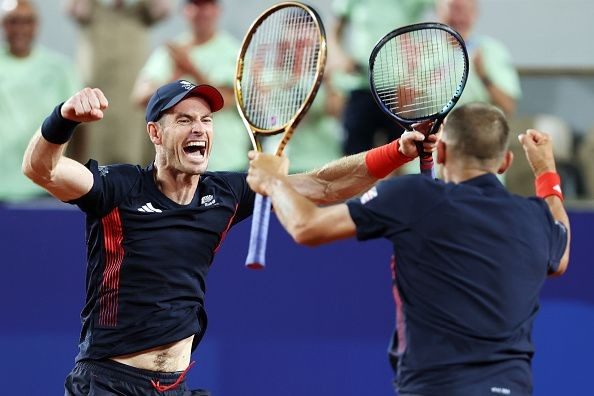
(457, 173)
(177, 186)
(202, 37)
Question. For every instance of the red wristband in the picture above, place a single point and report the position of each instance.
(381, 161)
(547, 184)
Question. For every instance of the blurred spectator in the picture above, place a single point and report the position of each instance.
(316, 141)
(360, 24)
(493, 77)
(113, 46)
(32, 80)
(204, 55)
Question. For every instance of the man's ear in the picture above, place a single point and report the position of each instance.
(154, 131)
(506, 162)
(441, 152)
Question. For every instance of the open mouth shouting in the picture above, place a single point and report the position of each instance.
(195, 148)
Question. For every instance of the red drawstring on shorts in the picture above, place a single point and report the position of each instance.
(163, 388)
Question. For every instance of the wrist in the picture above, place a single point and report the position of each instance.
(401, 152)
(57, 129)
(383, 160)
(547, 184)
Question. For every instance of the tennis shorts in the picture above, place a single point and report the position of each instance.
(107, 377)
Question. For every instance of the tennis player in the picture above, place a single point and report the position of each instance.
(152, 234)
(470, 258)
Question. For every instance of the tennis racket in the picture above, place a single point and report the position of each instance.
(279, 70)
(417, 73)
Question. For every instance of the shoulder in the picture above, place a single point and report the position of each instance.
(416, 183)
(116, 174)
(407, 191)
(232, 179)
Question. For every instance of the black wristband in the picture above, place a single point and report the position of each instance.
(57, 129)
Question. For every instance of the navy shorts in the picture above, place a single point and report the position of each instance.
(107, 377)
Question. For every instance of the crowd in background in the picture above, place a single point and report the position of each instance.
(114, 55)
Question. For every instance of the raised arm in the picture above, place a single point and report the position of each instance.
(539, 152)
(349, 176)
(44, 162)
(307, 223)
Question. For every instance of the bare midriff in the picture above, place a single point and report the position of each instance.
(166, 358)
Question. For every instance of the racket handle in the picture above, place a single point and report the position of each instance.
(427, 167)
(425, 161)
(259, 234)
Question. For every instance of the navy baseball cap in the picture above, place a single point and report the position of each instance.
(171, 94)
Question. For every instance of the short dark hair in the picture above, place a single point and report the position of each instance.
(477, 131)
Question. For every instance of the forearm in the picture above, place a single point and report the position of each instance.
(293, 210)
(335, 182)
(41, 159)
(352, 175)
(306, 223)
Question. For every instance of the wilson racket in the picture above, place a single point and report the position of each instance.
(417, 73)
(279, 70)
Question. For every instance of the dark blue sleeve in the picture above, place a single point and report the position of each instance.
(244, 194)
(556, 233)
(111, 185)
(557, 246)
(390, 207)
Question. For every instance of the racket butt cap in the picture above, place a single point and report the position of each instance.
(255, 266)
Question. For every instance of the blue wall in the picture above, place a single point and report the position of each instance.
(315, 322)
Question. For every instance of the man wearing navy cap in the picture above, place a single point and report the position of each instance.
(152, 234)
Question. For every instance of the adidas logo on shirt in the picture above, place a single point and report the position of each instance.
(149, 208)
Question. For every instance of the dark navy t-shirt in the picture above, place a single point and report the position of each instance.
(469, 262)
(148, 257)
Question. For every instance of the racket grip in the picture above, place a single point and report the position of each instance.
(427, 168)
(256, 258)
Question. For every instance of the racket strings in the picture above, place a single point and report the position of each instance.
(280, 67)
(416, 74)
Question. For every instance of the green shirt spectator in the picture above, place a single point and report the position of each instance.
(498, 68)
(32, 80)
(368, 21)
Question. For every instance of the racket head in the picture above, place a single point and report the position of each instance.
(279, 69)
(418, 72)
